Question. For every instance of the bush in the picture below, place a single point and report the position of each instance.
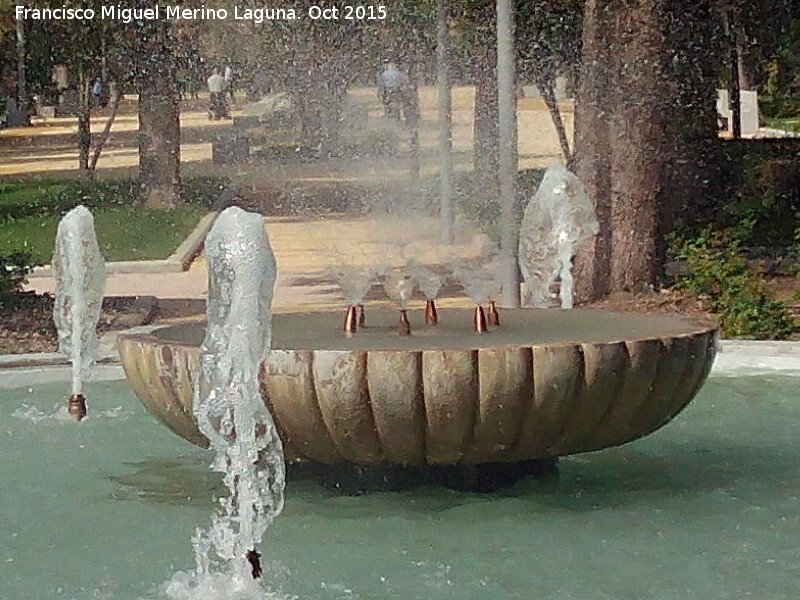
(718, 271)
(14, 269)
(780, 105)
(756, 191)
(205, 191)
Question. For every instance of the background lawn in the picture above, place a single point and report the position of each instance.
(30, 212)
(792, 124)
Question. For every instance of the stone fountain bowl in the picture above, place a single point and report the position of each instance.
(545, 383)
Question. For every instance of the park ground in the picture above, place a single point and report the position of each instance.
(299, 237)
(49, 148)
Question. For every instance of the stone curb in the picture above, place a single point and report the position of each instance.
(178, 262)
(49, 359)
(22, 377)
(757, 348)
(110, 356)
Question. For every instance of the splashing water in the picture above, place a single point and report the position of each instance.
(354, 281)
(479, 278)
(429, 282)
(79, 271)
(231, 414)
(399, 286)
(558, 220)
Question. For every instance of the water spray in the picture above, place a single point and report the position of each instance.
(79, 272)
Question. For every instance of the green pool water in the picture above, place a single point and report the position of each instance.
(706, 508)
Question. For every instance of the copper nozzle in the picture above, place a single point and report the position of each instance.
(431, 318)
(494, 316)
(404, 327)
(480, 320)
(254, 558)
(350, 320)
(362, 316)
(77, 406)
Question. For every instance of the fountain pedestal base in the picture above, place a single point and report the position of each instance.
(547, 383)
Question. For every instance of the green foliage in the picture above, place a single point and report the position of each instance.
(781, 68)
(759, 194)
(47, 198)
(780, 106)
(767, 204)
(30, 212)
(54, 198)
(485, 212)
(204, 192)
(14, 267)
(736, 294)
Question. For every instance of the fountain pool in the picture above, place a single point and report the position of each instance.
(707, 507)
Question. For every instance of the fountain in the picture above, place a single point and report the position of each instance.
(479, 279)
(230, 413)
(544, 384)
(558, 220)
(399, 286)
(355, 283)
(430, 284)
(79, 271)
(700, 509)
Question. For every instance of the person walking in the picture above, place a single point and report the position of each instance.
(217, 106)
(229, 82)
(99, 93)
(392, 90)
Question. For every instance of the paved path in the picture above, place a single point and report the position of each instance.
(305, 251)
(305, 248)
(49, 148)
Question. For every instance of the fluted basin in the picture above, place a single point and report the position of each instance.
(545, 383)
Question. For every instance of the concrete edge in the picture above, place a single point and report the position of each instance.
(50, 359)
(21, 377)
(737, 350)
(177, 262)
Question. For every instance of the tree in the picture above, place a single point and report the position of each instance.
(75, 44)
(645, 118)
(155, 68)
(549, 45)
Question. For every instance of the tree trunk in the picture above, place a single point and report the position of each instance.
(745, 69)
(22, 85)
(639, 129)
(445, 106)
(642, 127)
(691, 171)
(593, 144)
(98, 149)
(486, 184)
(159, 120)
(548, 93)
(319, 108)
(84, 122)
